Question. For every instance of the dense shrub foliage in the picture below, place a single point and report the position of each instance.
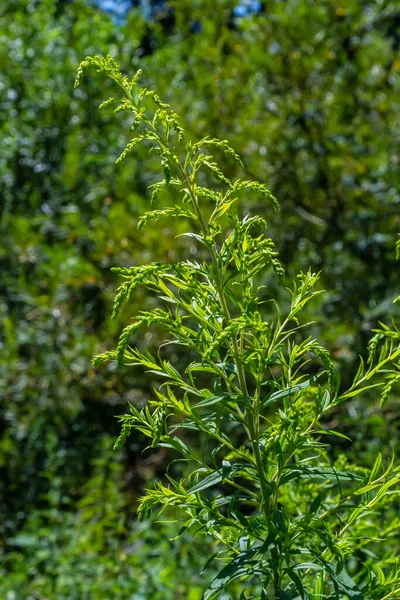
(307, 93)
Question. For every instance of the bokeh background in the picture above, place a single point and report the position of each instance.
(308, 93)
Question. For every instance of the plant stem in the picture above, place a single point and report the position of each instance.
(251, 415)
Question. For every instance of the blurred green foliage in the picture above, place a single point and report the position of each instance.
(308, 93)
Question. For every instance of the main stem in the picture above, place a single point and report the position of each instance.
(251, 417)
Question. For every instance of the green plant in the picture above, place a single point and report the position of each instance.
(247, 417)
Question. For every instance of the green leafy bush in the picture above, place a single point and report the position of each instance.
(96, 550)
(246, 417)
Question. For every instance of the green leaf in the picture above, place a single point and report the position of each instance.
(376, 467)
(347, 584)
(175, 443)
(290, 391)
(217, 476)
(213, 400)
(332, 432)
(209, 481)
(341, 579)
(297, 582)
(240, 517)
(317, 474)
(243, 564)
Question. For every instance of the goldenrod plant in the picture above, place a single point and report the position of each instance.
(247, 414)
